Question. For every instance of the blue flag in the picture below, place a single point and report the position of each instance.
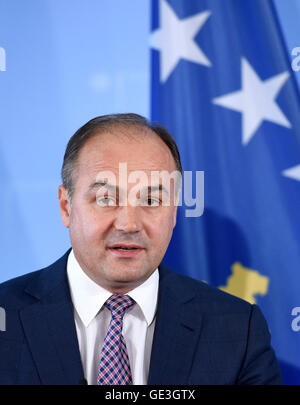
(222, 84)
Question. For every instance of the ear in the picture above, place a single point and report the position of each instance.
(64, 205)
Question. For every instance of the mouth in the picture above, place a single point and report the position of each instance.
(125, 250)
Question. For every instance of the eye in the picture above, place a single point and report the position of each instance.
(153, 202)
(105, 201)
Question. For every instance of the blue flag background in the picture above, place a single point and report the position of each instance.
(233, 108)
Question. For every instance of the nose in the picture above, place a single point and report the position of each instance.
(127, 219)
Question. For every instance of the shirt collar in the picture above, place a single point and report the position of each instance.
(88, 297)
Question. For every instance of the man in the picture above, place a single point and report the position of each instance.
(108, 311)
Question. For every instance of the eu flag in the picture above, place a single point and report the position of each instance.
(223, 86)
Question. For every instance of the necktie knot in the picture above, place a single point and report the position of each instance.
(118, 304)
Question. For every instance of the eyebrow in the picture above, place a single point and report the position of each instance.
(101, 184)
(109, 186)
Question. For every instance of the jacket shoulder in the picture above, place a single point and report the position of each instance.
(212, 299)
(12, 292)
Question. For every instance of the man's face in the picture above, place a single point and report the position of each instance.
(117, 242)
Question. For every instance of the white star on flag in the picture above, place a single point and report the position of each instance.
(175, 39)
(292, 172)
(256, 101)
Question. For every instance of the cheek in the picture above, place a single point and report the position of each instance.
(86, 225)
(160, 230)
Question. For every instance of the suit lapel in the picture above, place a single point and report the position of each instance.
(51, 333)
(176, 332)
(50, 328)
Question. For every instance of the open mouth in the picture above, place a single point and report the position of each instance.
(125, 251)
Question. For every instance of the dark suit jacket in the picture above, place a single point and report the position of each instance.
(202, 335)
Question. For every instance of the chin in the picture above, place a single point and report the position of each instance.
(133, 276)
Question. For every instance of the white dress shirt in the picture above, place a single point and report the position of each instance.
(92, 321)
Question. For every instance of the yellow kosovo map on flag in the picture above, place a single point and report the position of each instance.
(246, 283)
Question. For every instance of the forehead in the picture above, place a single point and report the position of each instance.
(139, 148)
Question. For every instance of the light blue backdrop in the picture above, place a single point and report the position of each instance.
(66, 62)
